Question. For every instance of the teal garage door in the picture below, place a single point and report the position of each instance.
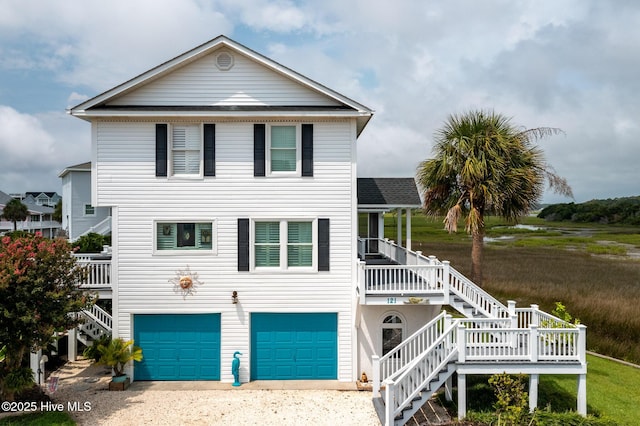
(178, 347)
(294, 346)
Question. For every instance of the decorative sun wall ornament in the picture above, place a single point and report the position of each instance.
(185, 281)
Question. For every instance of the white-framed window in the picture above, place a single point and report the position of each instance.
(392, 331)
(284, 244)
(283, 149)
(89, 210)
(172, 237)
(35, 218)
(185, 150)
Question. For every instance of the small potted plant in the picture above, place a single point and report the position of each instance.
(117, 354)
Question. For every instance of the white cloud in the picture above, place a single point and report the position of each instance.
(32, 156)
(570, 64)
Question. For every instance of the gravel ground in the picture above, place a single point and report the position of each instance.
(80, 382)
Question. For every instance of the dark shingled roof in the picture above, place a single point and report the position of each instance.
(391, 192)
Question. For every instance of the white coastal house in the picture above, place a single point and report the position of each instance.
(79, 216)
(235, 204)
(39, 219)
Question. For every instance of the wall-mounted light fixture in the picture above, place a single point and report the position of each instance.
(234, 297)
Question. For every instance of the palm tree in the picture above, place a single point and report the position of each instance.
(15, 211)
(482, 165)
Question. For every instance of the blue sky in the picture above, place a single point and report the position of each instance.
(570, 64)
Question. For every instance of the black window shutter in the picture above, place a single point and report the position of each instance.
(209, 149)
(258, 149)
(307, 150)
(243, 244)
(161, 150)
(323, 244)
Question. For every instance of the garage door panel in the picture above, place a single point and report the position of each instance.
(178, 346)
(293, 346)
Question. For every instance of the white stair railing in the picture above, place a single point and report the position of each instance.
(479, 299)
(405, 386)
(407, 351)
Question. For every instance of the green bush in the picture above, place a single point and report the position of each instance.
(92, 351)
(91, 243)
(18, 379)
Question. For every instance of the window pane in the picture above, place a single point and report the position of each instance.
(300, 244)
(186, 149)
(268, 255)
(299, 255)
(204, 235)
(283, 160)
(268, 232)
(283, 137)
(184, 236)
(267, 244)
(300, 232)
(283, 148)
(391, 337)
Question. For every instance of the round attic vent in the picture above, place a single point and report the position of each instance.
(224, 61)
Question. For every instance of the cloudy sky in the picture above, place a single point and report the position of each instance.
(570, 64)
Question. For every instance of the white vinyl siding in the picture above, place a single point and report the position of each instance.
(186, 150)
(247, 83)
(125, 156)
(177, 236)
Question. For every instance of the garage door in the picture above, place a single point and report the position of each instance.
(294, 346)
(178, 347)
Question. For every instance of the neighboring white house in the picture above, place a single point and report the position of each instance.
(40, 218)
(79, 216)
(235, 204)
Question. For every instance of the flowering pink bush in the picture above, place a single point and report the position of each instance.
(38, 289)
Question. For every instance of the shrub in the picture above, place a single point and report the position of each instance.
(91, 243)
(512, 403)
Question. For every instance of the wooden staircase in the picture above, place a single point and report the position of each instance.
(97, 322)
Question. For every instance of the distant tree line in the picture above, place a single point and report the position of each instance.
(617, 210)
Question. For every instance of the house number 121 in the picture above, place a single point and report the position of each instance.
(391, 300)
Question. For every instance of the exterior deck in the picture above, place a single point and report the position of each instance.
(491, 338)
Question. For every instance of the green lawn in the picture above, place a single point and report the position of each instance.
(613, 390)
(39, 419)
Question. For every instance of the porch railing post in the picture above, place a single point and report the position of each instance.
(362, 282)
(389, 403)
(462, 343)
(376, 375)
(433, 273)
(535, 315)
(533, 342)
(446, 280)
(582, 343)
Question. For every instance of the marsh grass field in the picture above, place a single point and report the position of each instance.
(593, 269)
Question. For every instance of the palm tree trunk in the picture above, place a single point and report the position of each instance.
(477, 243)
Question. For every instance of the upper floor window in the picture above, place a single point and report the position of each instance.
(186, 150)
(35, 218)
(89, 210)
(179, 236)
(283, 149)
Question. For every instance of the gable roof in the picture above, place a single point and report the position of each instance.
(97, 106)
(82, 167)
(388, 193)
(33, 208)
